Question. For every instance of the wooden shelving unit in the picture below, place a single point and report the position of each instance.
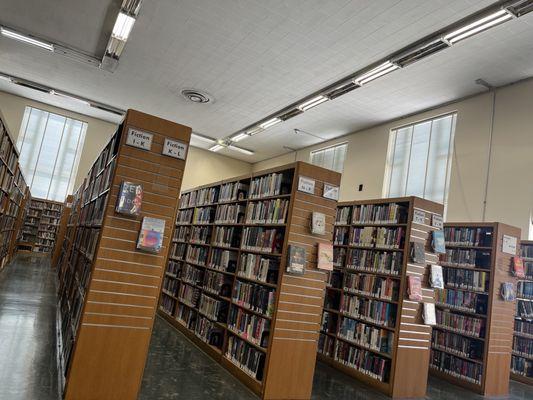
(41, 225)
(62, 230)
(108, 289)
(387, 349)
(232, 297)
(13, 191)
(473, 338)
(522, 353)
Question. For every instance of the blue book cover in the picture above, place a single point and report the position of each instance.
(438, 242)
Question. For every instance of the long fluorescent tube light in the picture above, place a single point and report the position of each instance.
(254, 131)
(239, 137)
(478, 26)
(375, 73)
(203, 138)
(5, 78)
(270, 122)
(315, 101)
(26, 39)
(241, 150)
(216, 147)
(70, 97)
(123, 26)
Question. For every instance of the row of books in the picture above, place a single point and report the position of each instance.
(372, 285)
(523, 347)
(185, 216)
(458, 344)
(391, 213)
(362, 360)
(375, 311)
(455, 366)
(197, 254)
(366, 335)
(212, 308)
(178, 250)
(203, 215)
(217, 283)
(466, 279)
(246, 357)
(463, 324)
(341, 235)
(258, 267)
(192, 275)
(262, 239)
(181, 233)
(522, 366)
(523, 327)
(267, 212)
(171, 286)
(223, 260)
(199, 197)
(227, 236)
(209, 331)
(462, 300)
(249, 326)
(168, 304)
(375, 261)
(229, 214)
(233, 191)
(524, 289)
(254, 297)
(269, 185)
(524, 309)
(391, 238)
(466, 236)
(467, 258)
(199, 234)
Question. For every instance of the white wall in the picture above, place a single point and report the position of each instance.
(510, 189)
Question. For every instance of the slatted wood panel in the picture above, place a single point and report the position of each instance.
(118, 314)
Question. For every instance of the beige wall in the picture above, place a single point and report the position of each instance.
(510, 189)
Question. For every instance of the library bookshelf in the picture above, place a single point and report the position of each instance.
(62, 230)
(229, 292)
(40, 227)
(370, 329)
(522, 353)
(13, 192)
(108, 289)
(472, 340)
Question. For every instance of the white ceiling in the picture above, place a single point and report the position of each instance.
(257, 56)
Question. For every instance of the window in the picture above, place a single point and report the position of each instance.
(419, 159)
(50, 148)
(330, 157)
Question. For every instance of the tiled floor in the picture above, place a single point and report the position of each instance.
(175, 369)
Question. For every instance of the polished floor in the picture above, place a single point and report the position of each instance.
(175, 368)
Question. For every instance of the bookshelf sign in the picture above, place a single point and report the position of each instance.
(437, 222)
(306, 185)
(509, 244)
(139, 139)
(331, 192)
(175, 148)
(419, 217)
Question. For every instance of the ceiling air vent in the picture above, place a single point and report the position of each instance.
(418, 53)
(196, 96)
(289, 114)
(521, 8)
(340, 90)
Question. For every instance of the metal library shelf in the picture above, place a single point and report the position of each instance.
(473, 338)
(522, 355)
(13, 194)
(370, 329)
(108, 288)
(231, 294)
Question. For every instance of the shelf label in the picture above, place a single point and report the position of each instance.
(509, 244)
(306, 185)
(437, 222)
(175, 148)
(331, 192)
(139, 139)
(419, 217)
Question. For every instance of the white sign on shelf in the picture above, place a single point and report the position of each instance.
(306, 185)
(331, 192)
(419, 217)
(437, 222)
(175, 148)
(139, 139)
(509, 244)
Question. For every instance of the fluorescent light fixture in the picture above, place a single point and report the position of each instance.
(315, 101)
(270, 122)
(241, 150)
(123, 26)
(254, 131)
(202, 138)
(70, 97)
(26, 39)
(478, 26)
(239, 137)
(5, 78)
(216, 147)
(375, 73)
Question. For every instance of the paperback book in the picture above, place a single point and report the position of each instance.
(129, 198)
(296, 261)
(151, 235)
(418, 254)
(438, 242)
(414, 288)
(429, 314)
(518, 267)
(325, 256)
(436, 279)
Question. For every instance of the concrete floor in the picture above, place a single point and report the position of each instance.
(175, 368)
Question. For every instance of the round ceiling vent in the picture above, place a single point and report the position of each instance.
(196, 96)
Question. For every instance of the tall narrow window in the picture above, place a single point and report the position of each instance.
(330, 157)
(419, 160)
(50, 148)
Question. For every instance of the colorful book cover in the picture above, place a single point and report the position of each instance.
(436, 280)
(296, 261)
(508, 292)
(151, 235)
(129, 198)
(325, 256)
(518, 267)
(418, 253)
(438, 242)
(429, 314)
(414, 288)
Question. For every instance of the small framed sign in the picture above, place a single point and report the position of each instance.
(175, 148)
(306, 185)
(139, 139)
(509, 244)
(331, 192)
(419, 217)
(436, 221)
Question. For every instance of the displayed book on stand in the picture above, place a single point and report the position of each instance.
(13, 194)
(378, 292)
(41, 225)
(522, 353)
(472, 340)
(108, 288)
(228, 287)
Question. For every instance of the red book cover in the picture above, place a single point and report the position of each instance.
(414, 288)
(518, 267)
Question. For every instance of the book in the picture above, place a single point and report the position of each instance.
(429, 314)
(151, 234)
(438, 242)
(325, 256)
(436, 280)
(418, 254)
(318, 223)
(507, 291)
(129, 198)
(414, 288)
(518, 267)
(296, 260)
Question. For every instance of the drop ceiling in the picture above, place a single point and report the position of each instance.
(256, 57)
